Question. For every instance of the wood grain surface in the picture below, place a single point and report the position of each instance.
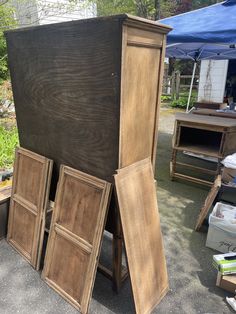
(140, 220)
(141, 53)
(75, 237)
(66, 80)
(32, 174)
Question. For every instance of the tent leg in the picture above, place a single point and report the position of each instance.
(191, 86)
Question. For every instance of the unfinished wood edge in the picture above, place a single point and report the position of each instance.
(158, 101)
(122, 90)
(97, 243)
(43, 215)
(135, 166)
(10, 220)
(15, 172)
(48, 254)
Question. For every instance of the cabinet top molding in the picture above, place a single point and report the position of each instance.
(128, 19)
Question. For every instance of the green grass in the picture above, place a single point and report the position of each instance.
(8, 142)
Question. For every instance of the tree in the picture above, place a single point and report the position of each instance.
(6, 21)
(152, 9)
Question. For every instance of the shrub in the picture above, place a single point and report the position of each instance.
(8, 142)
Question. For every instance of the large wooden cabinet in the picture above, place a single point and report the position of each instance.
(87, 95)
(87, 92)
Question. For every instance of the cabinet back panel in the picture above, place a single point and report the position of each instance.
(66, 80)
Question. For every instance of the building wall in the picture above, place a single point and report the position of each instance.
(212, 80)
(39, 12)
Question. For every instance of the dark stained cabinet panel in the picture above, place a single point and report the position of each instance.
(66, 88)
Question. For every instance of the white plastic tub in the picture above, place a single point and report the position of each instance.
(222, 228)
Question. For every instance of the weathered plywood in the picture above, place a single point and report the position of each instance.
(141, 60)
(75, 237)
(32, 174)
(65, 80)
(140, 220)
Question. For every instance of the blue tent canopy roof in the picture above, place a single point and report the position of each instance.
(207, 33)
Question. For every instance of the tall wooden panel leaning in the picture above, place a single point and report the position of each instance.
(87, 96)
(32, 176)
(76, 235)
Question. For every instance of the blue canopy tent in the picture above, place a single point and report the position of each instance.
(207, 33)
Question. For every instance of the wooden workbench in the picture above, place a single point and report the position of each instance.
(203, 135)
(212, 112)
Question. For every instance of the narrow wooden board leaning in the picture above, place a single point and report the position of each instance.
(30, 190)
(75, 236)
(208, 202)
(136, 194)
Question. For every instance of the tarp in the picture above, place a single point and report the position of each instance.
(207, 33)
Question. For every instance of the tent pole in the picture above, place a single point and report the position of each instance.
(191, 86)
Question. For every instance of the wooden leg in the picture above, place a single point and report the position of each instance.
(218, 169)
(173, 164)
(117, 254)
(118, 273)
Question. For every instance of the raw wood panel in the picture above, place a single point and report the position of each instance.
(32, 174)
(208, 202)
(140, 220)
(75, 237)
(141, 59)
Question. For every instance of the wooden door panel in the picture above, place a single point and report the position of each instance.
(27, 220)
(28, 180)
(32, 174)
(141, 57)
(75, 237)
(72, 266)
(140, 221)
(79, 214)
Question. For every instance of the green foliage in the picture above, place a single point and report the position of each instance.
(6, 21)
(109, 7)
(152, 9)
(165, 98)
(183, 100)
(8, 142)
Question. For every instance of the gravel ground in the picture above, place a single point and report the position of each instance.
(191, 275)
